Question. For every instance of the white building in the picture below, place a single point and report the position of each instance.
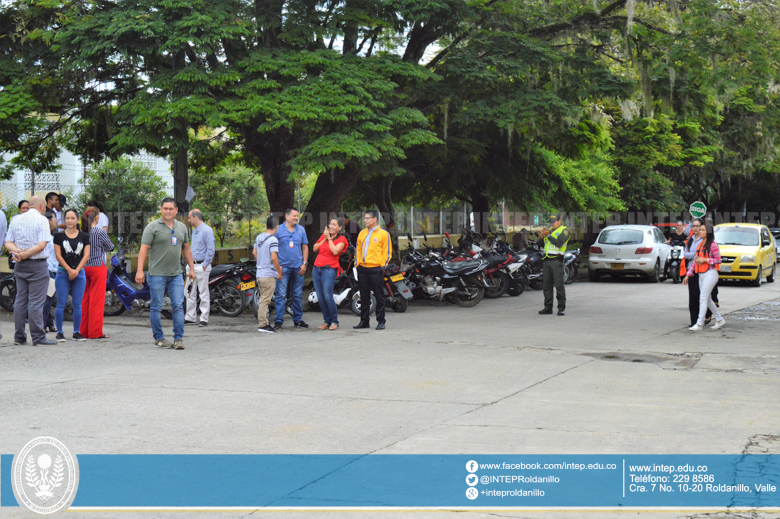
(68, 179)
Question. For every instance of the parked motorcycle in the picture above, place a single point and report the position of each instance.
(674, 266)
(8, 295)
(126, 294)
(430, 276)
(571, 265)
(226, 285)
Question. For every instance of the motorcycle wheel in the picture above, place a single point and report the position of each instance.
(469, 296)
(167, 314)
(537, 284)
(8, 293)
(400, 305)
(113, 304)
(500, 282)
(571, 274)
(68, 315)
(308, 306)
(676, 277)
(228, 299)
(518, 286)
(356, 304)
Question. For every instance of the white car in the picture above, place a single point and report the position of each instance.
(629, 250)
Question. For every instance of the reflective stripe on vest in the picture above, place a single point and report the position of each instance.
(703, 267)
(550, 249)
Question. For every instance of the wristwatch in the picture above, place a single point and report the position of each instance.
(305, 262)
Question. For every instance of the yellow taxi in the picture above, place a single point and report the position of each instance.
(748, 252)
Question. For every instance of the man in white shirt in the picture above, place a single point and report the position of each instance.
(26, 241)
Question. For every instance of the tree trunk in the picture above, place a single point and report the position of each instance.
(329, 192)
(381, 196)
(181, 180)
(271, 152)
(480, 206)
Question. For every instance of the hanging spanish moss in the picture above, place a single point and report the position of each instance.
(596, 7)
(509, 131)
(630, 15)
(672, 77)
(446, 121)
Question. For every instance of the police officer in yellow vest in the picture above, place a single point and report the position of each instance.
(554, 242)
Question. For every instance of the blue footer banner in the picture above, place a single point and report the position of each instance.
(136, 481)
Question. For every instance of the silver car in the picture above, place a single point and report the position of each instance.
(629, 250)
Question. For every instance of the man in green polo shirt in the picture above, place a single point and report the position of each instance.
(165, 240)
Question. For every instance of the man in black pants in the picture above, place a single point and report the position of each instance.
(373, 253)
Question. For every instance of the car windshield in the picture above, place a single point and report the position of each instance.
(743, 236)
(620, 237)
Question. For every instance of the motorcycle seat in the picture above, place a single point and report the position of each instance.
(495, 261)
(454, 267)
(131, 283)
(216, 270)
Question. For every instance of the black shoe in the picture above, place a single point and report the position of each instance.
(189, 322)
(545, 311)
(266, 329)
(45, 342)
(277, 326)
(79, 337)
(380, 326)
(202, 324)
(561, 312)
(60, 338)
(23, 343)
(301, 324)
(361, 326)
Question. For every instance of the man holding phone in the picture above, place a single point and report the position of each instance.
(554, 242)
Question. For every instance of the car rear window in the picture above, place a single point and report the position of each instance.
(620, 237)
(744, 236)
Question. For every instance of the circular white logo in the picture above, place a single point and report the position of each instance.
(45, 475)
(472, 466)
(472, 480)
(472, 493)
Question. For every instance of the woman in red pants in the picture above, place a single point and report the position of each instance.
(93, 304)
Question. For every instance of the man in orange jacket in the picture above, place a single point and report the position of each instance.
(373, 252)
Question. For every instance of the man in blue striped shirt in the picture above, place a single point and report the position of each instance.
(203, 247)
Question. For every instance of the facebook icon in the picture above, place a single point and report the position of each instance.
(472, 466)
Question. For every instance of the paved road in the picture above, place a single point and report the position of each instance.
(618, 374)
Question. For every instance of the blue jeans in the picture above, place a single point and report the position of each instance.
(64, 286)
(324, 280)
(157, 287)
(290, 278)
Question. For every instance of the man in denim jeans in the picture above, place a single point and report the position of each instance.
(167, 239)
(293, 257)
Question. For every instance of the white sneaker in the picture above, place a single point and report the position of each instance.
(695, 328)
(719, 324)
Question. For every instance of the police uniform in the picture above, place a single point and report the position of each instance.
(552, 267)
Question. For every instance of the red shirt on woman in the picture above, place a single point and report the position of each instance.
(326, 258)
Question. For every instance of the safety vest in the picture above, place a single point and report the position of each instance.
(703, 267)
(550, 249)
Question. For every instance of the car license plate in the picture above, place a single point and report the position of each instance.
(618, 266)
(397, 277)
(246, 286)
(725, 268)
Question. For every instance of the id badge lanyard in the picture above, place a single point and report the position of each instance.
(174, 239)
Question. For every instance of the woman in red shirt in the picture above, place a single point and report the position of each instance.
(326, 269)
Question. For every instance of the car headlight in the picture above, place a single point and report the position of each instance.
(747, 258)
